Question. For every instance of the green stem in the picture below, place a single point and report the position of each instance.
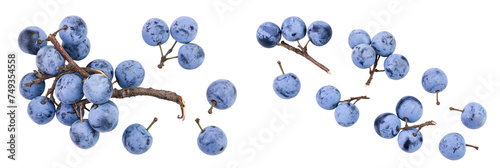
(171, 58)
(164, 57)
(197, 120)
(154, 120)
(161, 50)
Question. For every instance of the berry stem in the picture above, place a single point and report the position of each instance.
(303, 52)
(81, 104)
(53, 100)
(41, 41)
(164, 57)
(419, 126)
(472, 146)
(437, 98)
(79, 112)
(307, 43)
(46, 95)
(160, 94)
(212, 107)
(50, 91)
(62, 28)
(300, 46)
(161, 50)
(279, 63)
(373, 70)
(355, 98)
(172, 57)
(197, 120)
(57, 31)
(154, 120)
(455, 109)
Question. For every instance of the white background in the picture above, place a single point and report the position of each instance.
(458, 37)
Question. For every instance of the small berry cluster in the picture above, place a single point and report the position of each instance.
(76, 86)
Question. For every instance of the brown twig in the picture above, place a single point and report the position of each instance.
(42, 77)
(437, 97)
(50, 91)
(164, 57)
(161, 94)
(279, 63)
(355, 98)
(455, 109)
(303, 52)
(71, 63)
(51, 98)
(64, 67)
(212, 107)
(139, 91)
(80, 104)
(47, 95)
(419, 126)
(57, 31)
(373, 70)
(475, 147)
(71, 67)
